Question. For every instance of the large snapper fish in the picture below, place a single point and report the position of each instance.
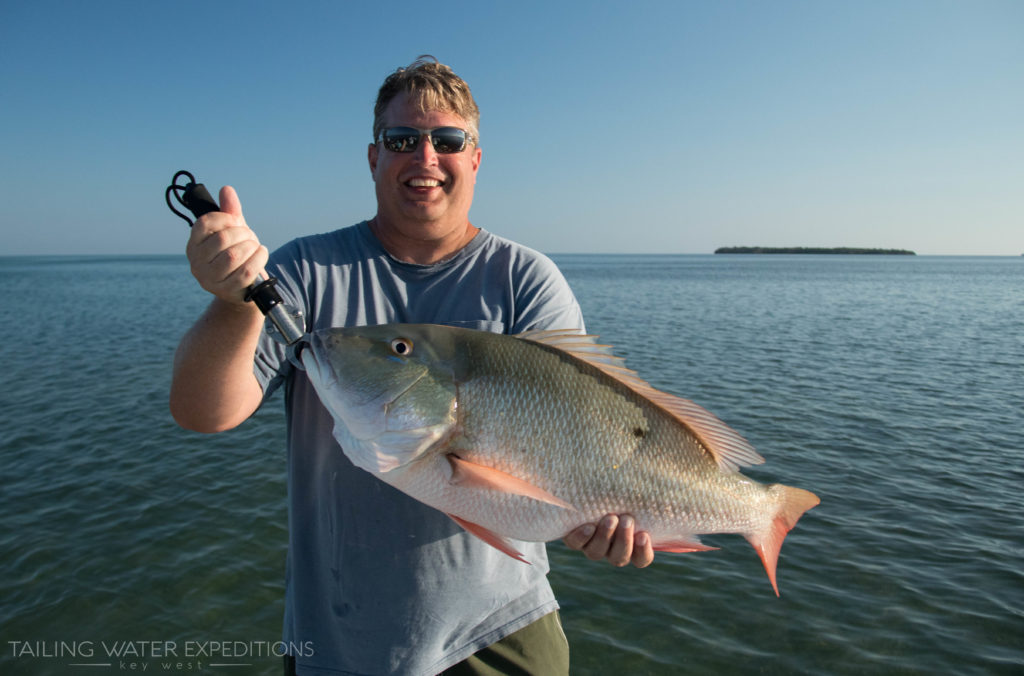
(528, 437)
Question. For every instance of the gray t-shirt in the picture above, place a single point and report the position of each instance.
(377, 582)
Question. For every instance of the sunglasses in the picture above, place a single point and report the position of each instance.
(444, 139)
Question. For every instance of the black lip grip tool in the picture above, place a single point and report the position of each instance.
(286, 321)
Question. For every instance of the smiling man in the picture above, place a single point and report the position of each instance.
(377, 582)
(423, 194)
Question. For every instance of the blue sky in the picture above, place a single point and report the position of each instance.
(668, 127)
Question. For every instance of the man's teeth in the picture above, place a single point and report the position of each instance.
(424, 183)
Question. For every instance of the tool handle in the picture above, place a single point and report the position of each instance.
(198, 200)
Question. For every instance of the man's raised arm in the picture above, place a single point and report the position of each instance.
(213, 386)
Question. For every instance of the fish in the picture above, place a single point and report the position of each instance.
(526, 437)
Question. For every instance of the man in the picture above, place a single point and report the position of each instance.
(376, 581)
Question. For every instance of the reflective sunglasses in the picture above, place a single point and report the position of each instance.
(444, 139)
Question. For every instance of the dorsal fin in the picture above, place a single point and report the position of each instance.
(725, 445)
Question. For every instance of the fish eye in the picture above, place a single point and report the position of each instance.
(401, 346)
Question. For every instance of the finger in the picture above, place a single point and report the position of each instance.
(643, 550)
(253, 267)
(621, 550)
(599, 545)
(211, 242)
(243, 260)
(220, 253)
(231, 271)
(235, 285)
(579, 537)
(215, 233)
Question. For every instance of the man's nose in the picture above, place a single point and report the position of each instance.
(425, 150)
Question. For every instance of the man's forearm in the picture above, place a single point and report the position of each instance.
(214, 387)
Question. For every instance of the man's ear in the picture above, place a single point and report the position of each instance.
(371, 156)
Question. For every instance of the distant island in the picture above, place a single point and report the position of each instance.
(810, 250)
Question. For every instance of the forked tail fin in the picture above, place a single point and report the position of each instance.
(794, 502)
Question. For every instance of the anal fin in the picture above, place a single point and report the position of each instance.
(499, 542)
(682, 546)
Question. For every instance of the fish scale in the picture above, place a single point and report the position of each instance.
(598, 468)
(529, 437)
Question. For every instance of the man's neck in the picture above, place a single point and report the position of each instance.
(422, 251)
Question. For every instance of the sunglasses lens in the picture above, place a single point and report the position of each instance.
(400, 139)
(405, 139)
(448, 139)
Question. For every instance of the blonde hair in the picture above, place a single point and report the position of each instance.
(431, 85)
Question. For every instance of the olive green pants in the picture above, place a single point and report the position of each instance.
(538, 649)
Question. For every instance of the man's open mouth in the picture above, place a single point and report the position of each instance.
(424, 183)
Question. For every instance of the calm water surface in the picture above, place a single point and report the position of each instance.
(893, 387)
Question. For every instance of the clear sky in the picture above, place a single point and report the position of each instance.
(669, 127)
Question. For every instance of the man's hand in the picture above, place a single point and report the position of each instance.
(613, 538)
(224, 253)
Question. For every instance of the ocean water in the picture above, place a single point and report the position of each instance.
(893, 387)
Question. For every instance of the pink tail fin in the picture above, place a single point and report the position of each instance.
(795, 501)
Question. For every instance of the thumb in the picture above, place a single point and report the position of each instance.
(229, 202)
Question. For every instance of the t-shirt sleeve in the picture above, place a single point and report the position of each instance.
(544, 299)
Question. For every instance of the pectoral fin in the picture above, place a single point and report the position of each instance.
(682, 546)
(465, 473)
(490, 537)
